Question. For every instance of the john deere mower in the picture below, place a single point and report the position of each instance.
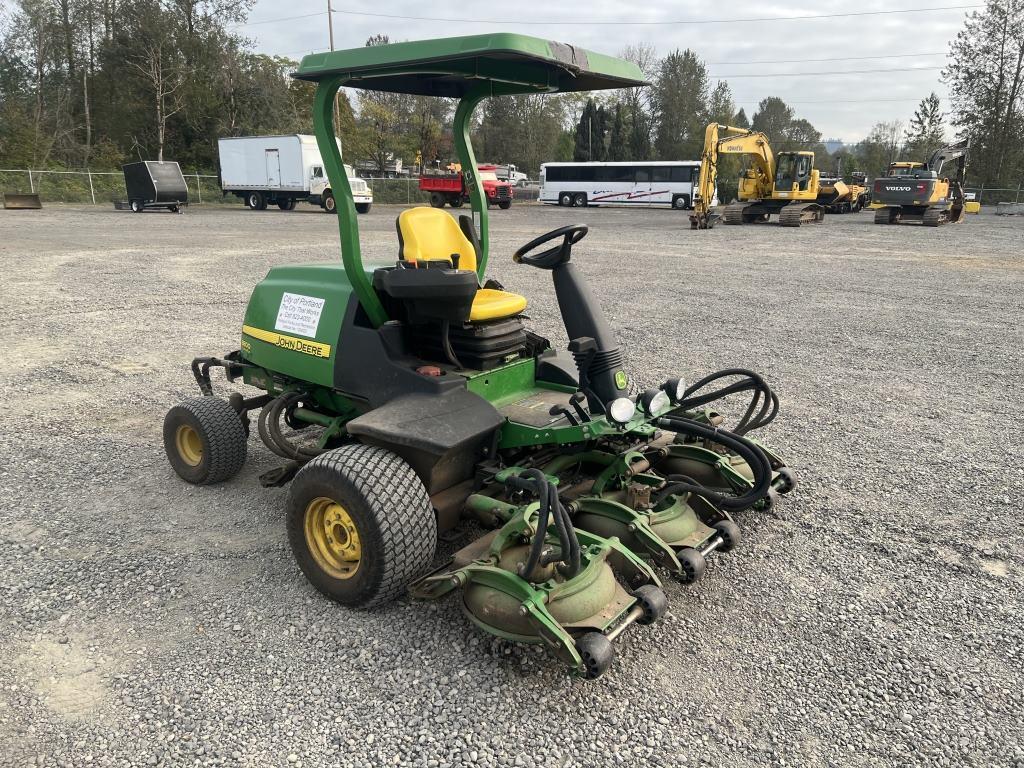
(408, 399)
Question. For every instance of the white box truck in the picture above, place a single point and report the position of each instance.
(281, 170)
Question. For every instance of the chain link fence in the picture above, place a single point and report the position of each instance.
(100, 187)
(95, 186)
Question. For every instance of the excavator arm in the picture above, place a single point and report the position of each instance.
(728, 140)
(945, 154)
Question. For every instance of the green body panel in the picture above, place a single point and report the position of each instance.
(315, 281)
(504, 384)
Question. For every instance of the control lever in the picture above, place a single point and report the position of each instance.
(561, 410)
(576, 401)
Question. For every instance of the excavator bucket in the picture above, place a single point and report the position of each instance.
(20, 202)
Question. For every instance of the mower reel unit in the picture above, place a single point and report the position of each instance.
(406, 400)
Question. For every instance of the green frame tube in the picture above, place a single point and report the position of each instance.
(464, 149)
(348, 227)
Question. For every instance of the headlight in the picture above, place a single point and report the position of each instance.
(621, 410)
(676, 390)
(653, 400)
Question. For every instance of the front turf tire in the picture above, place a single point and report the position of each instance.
(205, 440)
(360, 525)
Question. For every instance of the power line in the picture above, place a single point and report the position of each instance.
(275, 21)
(816, 74)
(826, 101)
(580, 22)
(837, 58)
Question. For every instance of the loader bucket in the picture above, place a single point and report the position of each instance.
(22, 202)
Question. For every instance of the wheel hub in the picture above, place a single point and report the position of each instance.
(332, 537)
(189, 444)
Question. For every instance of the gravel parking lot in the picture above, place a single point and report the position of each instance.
(875, 618)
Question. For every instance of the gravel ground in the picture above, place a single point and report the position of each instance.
(874, 618)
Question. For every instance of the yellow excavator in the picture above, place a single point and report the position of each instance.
(914, 191)
(786, 184)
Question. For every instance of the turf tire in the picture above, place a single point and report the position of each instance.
(222, 434)
(392, 514)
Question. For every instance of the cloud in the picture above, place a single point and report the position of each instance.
(843, 106)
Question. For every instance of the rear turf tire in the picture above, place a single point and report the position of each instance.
(369, 496)
(205, 440)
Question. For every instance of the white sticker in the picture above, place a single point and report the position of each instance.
(299, 314)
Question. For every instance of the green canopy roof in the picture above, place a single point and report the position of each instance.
(451, 66)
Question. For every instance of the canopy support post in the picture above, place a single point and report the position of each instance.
(348, 226)
(464, 149)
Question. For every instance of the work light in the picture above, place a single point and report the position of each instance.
(621, 410)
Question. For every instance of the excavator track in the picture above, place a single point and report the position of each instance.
(733, 213)
(884, 216)
(933, 217)
(795, 214)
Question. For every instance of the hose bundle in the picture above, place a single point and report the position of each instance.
(269, 425)
(763, 400)
(747, 450)
(536, 482)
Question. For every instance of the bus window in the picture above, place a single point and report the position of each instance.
(643, 175)
(661, 174)
(680, 174)
(694, 175)
(615, 174)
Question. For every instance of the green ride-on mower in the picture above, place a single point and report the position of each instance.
(407, 399)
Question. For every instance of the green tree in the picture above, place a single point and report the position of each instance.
(881, 147)
(741, 121)
(617, 145)
(925, 133)
(773, 118)
(680, 106)
(986, 87)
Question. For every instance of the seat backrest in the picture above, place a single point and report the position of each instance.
(430, 234)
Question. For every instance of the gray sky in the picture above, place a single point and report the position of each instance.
(843, 106)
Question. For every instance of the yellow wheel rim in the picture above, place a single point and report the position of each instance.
(332, 538)
(190, 445)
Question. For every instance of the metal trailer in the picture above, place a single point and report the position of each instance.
(154, 184)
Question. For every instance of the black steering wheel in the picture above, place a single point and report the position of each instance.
(552, 257)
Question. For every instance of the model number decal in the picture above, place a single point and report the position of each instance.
(299, 314)
(314, 348)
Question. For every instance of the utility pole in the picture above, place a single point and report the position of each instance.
(330, 32)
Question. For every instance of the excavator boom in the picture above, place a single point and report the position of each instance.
(728, 140)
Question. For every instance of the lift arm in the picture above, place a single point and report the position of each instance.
(727, 140)
(945, 154)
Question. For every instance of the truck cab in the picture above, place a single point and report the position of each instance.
(320, 189)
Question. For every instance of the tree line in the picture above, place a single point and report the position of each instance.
(94, 83)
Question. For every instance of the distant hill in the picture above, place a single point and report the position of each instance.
(834, 144)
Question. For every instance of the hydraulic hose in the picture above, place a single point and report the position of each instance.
(747, 450)
(769, 407)
(535, 481)
(269, 426)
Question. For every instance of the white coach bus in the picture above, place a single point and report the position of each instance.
(669, 183)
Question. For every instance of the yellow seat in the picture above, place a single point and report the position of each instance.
(430, 234)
